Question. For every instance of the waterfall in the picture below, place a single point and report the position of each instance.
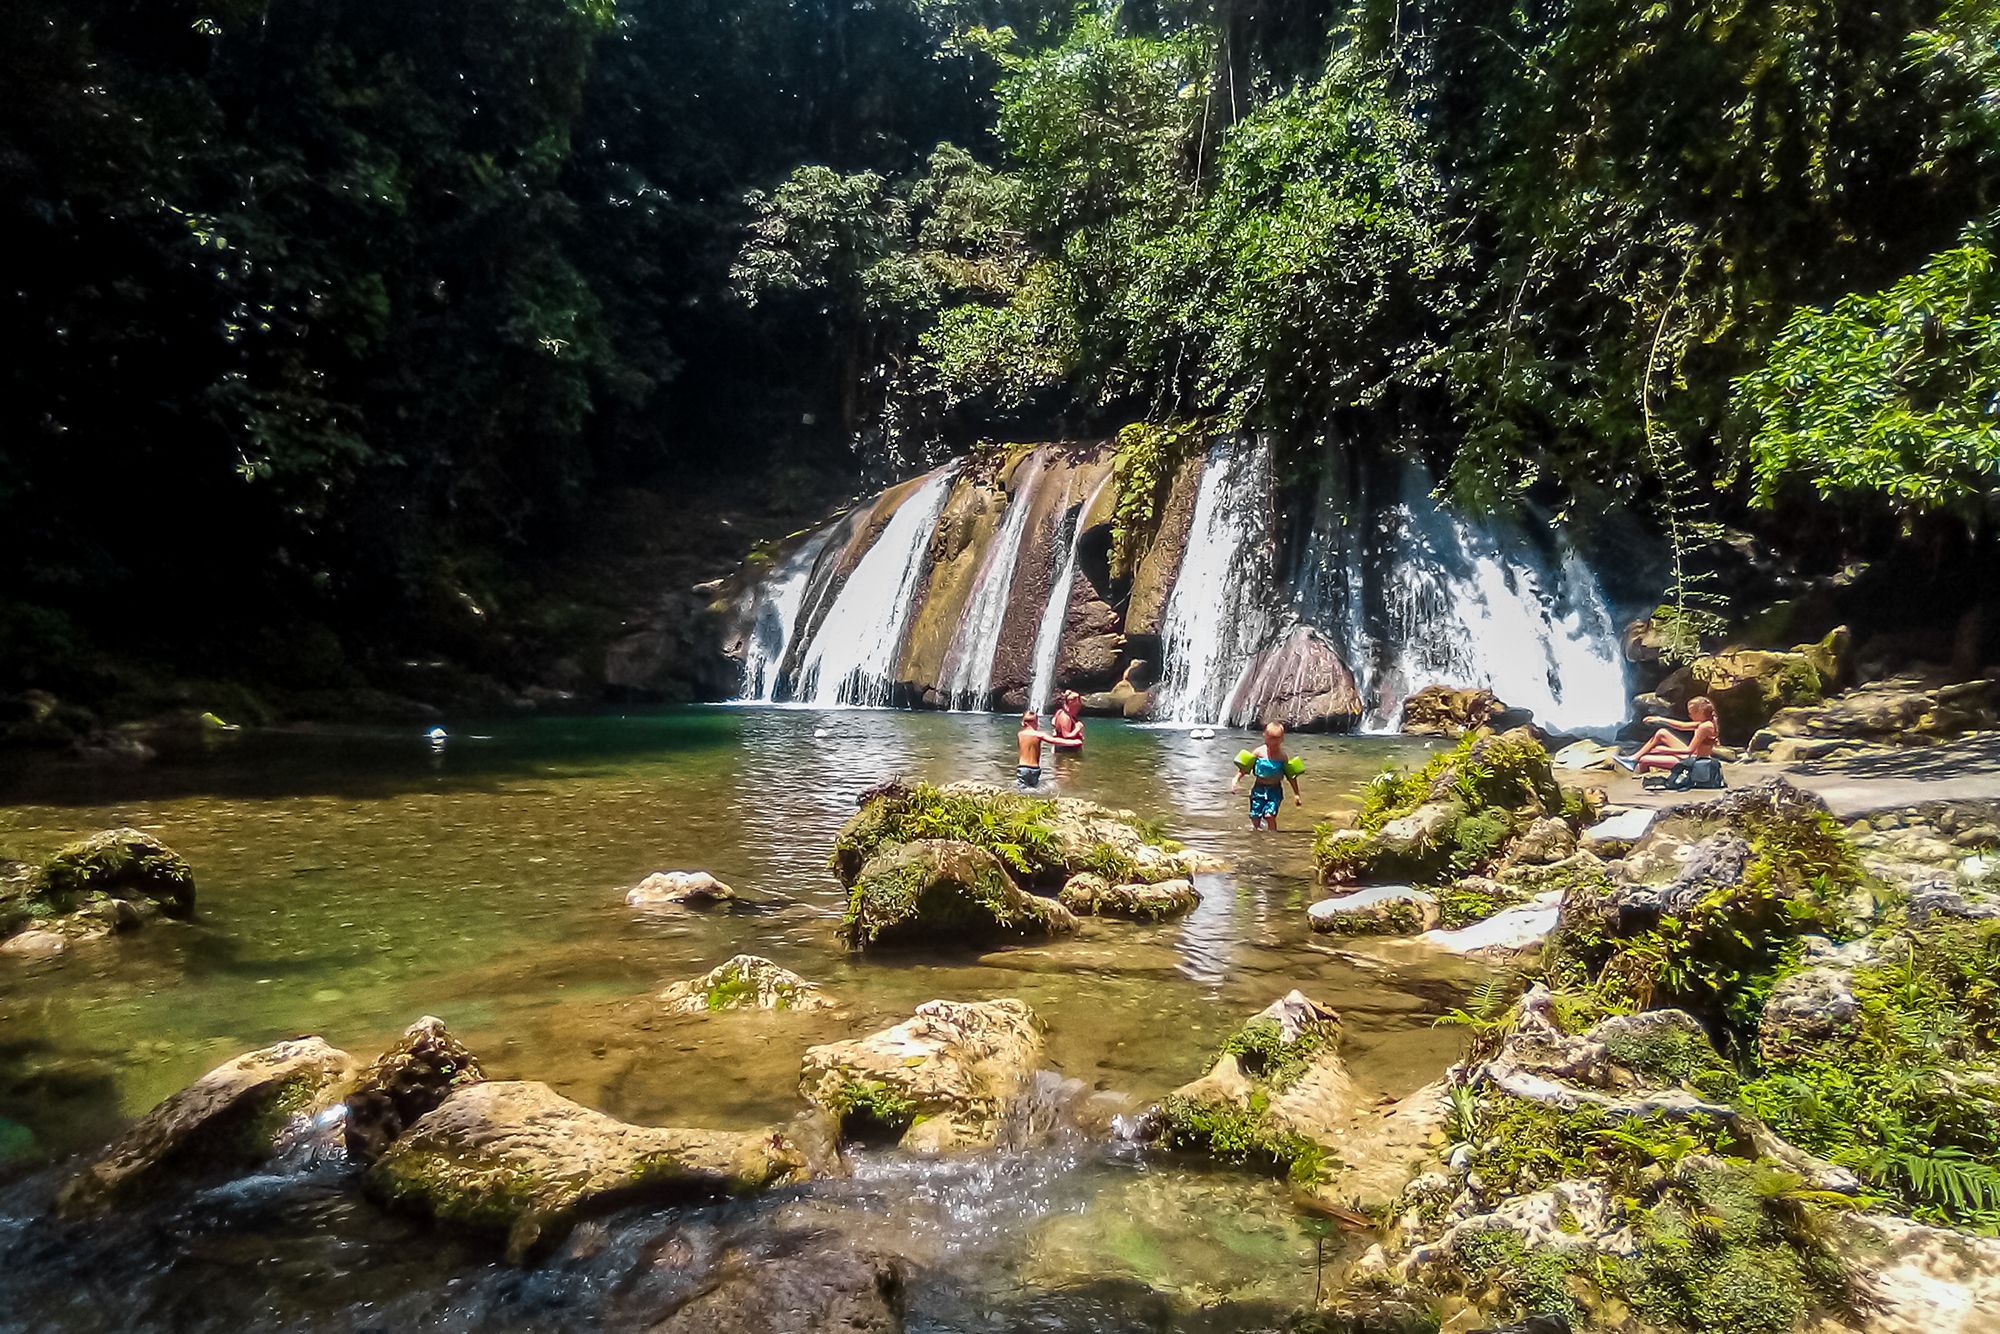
(1483, 605)
(776, 616)
(852, 657)
(968, 666)
(1048, 638)
(1219, 613)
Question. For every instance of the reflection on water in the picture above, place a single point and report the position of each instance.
(350, 882)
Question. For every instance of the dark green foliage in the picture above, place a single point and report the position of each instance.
(1242, 1137)
(1013, 828)
(1260, 1049)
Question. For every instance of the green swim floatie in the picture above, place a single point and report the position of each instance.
(1244, 760)
(1295, 766)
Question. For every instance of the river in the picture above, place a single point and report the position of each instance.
(352, 880)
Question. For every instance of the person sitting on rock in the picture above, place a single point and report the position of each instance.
(1068, 722)
(1666, 749)
(1030, 739)
(1269, 769)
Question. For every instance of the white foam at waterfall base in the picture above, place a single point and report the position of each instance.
(852, 657)
(776, 617)
(1048, 636)
(969, 663)
(1480, 605)
(1219, 613)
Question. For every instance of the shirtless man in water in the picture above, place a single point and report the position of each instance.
(1666, 749)
(1030, 739)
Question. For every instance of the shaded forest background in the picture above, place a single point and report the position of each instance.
(353, 341)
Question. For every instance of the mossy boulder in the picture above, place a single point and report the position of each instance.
(404, 1084)
(1459, 814)
(126, 864)
(1750, 686)
(1448, 711)
(519, 1160)
(1275, 1096)
(226, 1121)
(943, 1079)
(1380, 910)
(941, 891)
(1042, 840)
(1090, 895)
(746, 982)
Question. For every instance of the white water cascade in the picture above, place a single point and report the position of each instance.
(852, 656)
(1048, 636)
(1484, 606)
(1220, 611)
(776, 618)
(968, 671)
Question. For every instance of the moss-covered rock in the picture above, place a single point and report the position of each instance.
(1381, 910)
(1042, 840)
(938, 891)
(943, 1079)
(1750, 686)
(404, 1084)
(1445, 711)
(519, 1160)
(123, 864)
(1090, 895)
(226, 1121)
(746, 982)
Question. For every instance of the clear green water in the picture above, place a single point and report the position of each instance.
(350, 882)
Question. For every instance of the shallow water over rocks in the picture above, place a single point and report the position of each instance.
(350, 882)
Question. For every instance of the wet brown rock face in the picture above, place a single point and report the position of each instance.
(825, 1290)
(1302, 682)
(405, 1083)
(224, 1122)
(517, 1158)
(1451, 712)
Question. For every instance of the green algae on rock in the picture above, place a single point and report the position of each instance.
(938, 890)
(226, 1121)
(404, 1084)
(942, 1079)
(746, 982)
(518, 1159)
(1089, 894)
(121, 863)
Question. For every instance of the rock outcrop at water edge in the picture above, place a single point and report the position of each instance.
(1394, 910)
(1879, 716)
(944, 1079)
(518, 1159)
(746, 982)
(937, 891)
(224, 1122)
(109, 882)
(824, 1289)
(1090, 895)
(1751, 686)
(404, 1084)
(1447, 711)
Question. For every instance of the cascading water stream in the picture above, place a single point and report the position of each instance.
(852, 657)
(776, 617)
(1048, 637)
(969, 665)
(1219, 613)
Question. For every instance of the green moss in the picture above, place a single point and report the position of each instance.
(1147, 458)
(1534, 1280)
(1242, 1136)
(869, 1104)
(1675, 1055)
(1460, 905)
(731, 991)
(119, 859)
(918, 891)
(1263, 1054)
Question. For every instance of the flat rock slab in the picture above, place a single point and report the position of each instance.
(746, 982)
(1090, 895)
(1395, 910)
(1506, 933)
(225, 1121)
(943, 1079)
(1918, 1279)
(518, 1158)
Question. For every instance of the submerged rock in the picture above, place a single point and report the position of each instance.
(824, 1290)
(941, 890)
(1088, 894)
(126, 864)
(519, 1159)
(224, 1122)
(693, 889)
(746, 982)
(404, 1084)
(1393, 910)
(944, 1079)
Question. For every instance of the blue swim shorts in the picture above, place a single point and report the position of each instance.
(1265, 799)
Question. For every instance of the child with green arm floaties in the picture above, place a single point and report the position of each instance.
(1269, 769)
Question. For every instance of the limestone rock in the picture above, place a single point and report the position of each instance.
(825, 1290)
(518, 1158)
(1915, 1279)
(406, 1082)
(1438, 710)
(121, 864)
(746, 982)
(939, 890)
(1750, 686)
(1901, 711)
(35, 943)
(1300, 681)
(225, 1121)
(1088, 894)
(1392, 910)
(943, 1079)
(691, 889)
(1277, 1085)
(1546, 841)
(1504, 935)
